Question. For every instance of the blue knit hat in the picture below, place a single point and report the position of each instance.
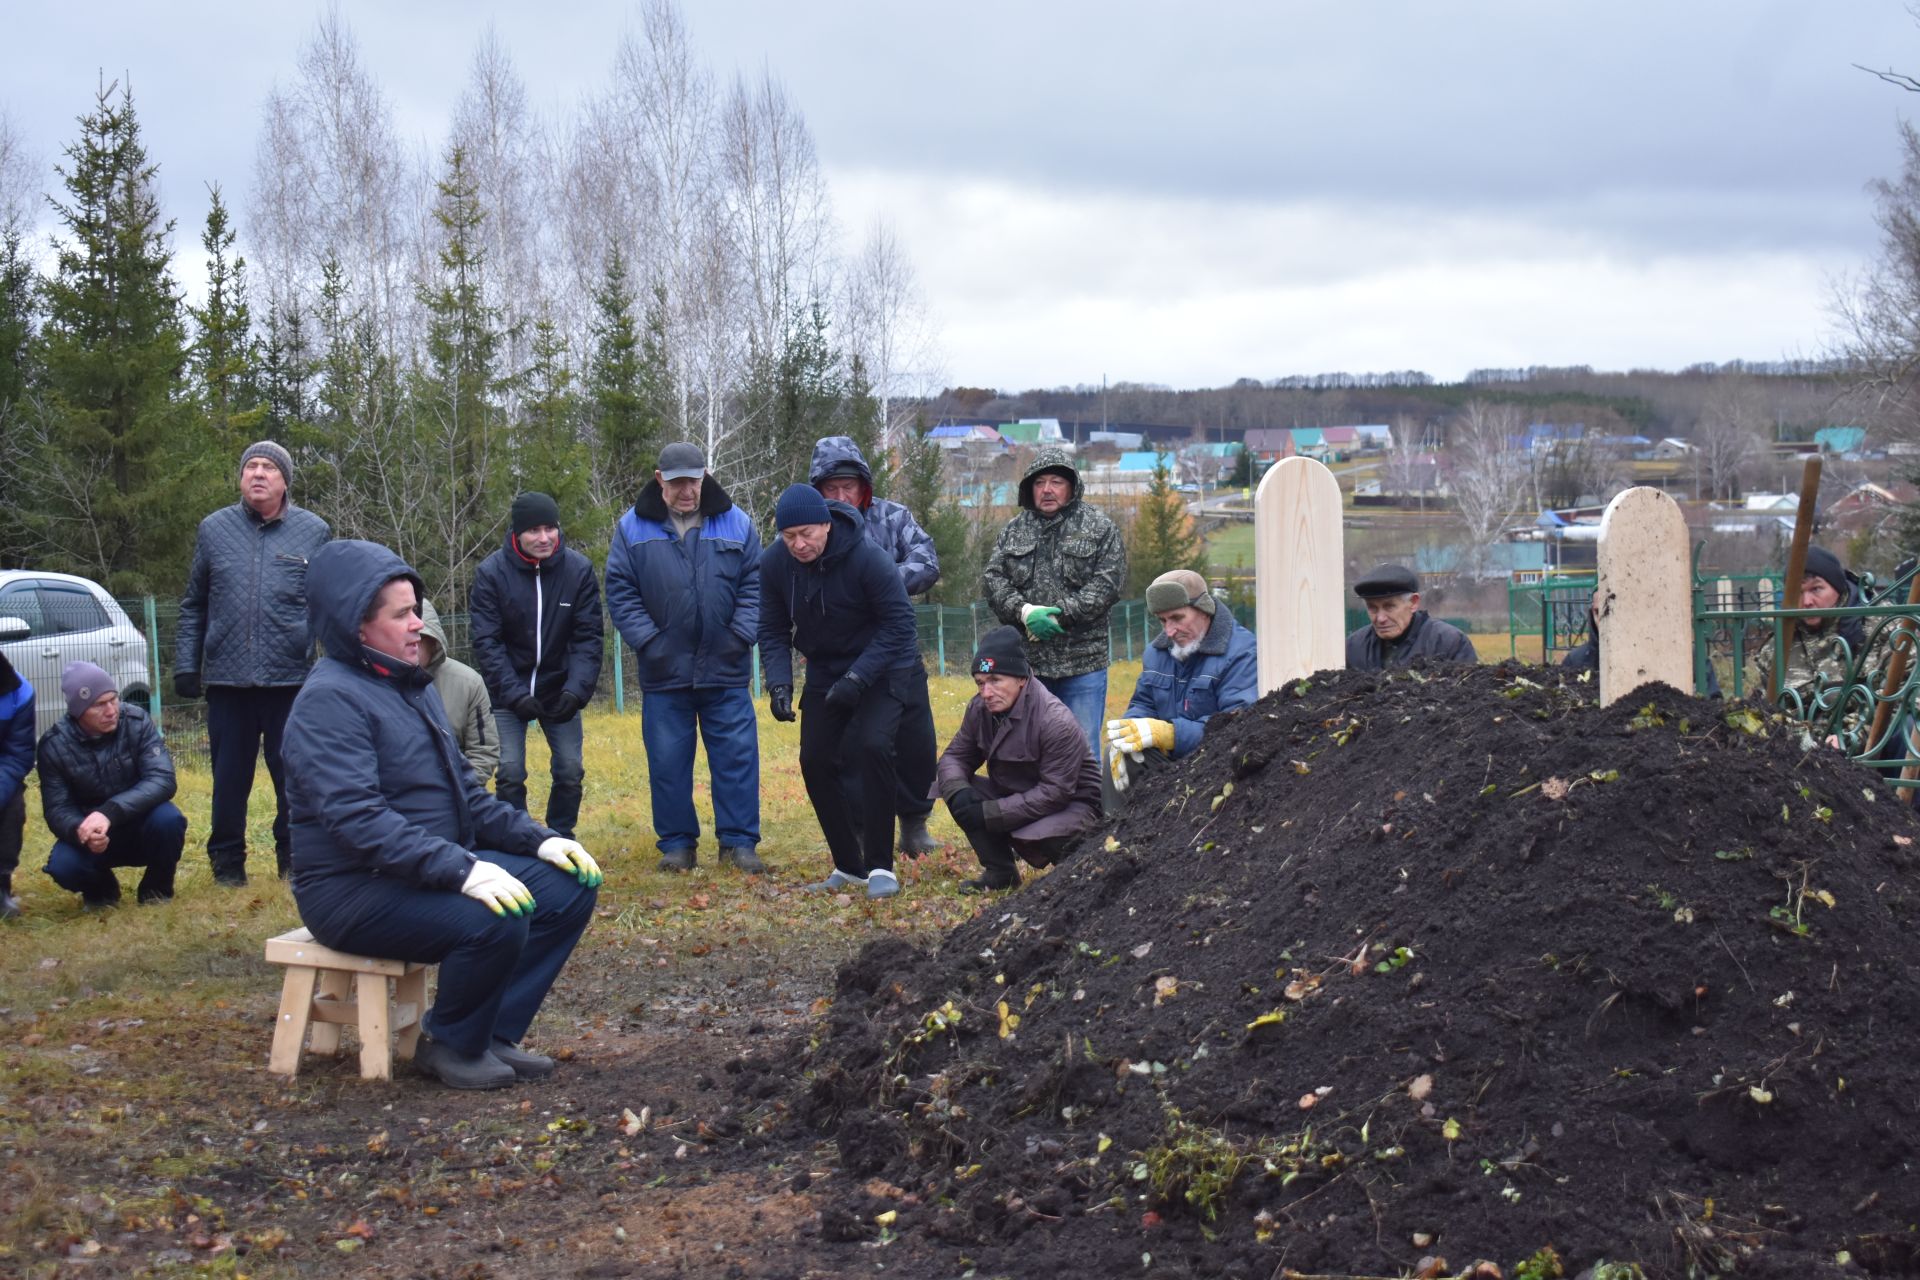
(800, 504)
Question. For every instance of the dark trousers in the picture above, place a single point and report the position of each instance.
(240, 722)
(153, 842)
(997, 852)
(13, 833)
(916, 751)
(494, 970)
(846, 756)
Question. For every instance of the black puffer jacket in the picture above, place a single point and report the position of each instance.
(375, 781)
(243, 619)
(537, 626)
(124, 774)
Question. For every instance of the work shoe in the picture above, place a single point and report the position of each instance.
(9, 907)
(915, 839)
(482, 1071)
(230, 879)
(984, 885)
(677, 860)
(838, 880)
(155, 886)
(742, 857)
(527, 1066)
(882, 884)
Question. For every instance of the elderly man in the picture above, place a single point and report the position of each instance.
(835, 597)
(683, 587)
(537, 636)
(106, 786)
(1202, 661)
(840, 473)
(398, 851)
(1041, 788)
(1398, 630)
(1056, 571)
(243, 643)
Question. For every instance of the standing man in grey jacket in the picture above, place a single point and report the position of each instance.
(243, 644)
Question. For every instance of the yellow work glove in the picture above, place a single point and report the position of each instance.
(1042, 621)
(571, 857)
(1140, 734)
(1117, 766)
(495, 886)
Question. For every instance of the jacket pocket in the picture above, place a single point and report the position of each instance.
(290, 578)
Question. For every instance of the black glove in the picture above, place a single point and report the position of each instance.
(186, 684)
(967, 808)
(780, 696)
(526, 706)
(845, 694)
(566, 706)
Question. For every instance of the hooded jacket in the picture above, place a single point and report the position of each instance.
(1037, 758)
(243, 618)
(375, 782)
(846, 612)
(125, 774)
(1819, 663)
(1425, 637)
(890, 526)
(1223, 674)
(689, 608)
(536, 625)
(463, 695)
(16, 731)
(1073, 559)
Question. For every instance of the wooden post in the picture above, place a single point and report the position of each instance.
(1645, 612)
(1896, 672)
(1298, 574)
(1797, 563)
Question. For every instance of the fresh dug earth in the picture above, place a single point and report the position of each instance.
(1403, 974)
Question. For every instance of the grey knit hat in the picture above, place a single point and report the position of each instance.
(272, 453)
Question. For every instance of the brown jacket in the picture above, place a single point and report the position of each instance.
(1041, 777)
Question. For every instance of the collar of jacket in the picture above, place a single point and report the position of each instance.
(384, 666)
(286, 505)
(652, 503)
(526, 563)
(1219, 631)
(1415, 626)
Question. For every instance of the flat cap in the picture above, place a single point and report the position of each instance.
(1386, 580)
(682, 460)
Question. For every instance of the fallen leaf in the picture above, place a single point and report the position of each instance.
(1903, 841)
(1420, 1088)
(888, 1218)
(1272, 1018)
(377, 1144)
(1140, 952)
(361, 1228)
(1555, 788)
(1164, 989)
(1308, 1101)
(631, 1124)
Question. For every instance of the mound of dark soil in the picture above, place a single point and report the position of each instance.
(1448, 964)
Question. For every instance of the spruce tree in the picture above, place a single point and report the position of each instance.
(626, 383)
(1162, 537)
(549, 455)
(18, 314)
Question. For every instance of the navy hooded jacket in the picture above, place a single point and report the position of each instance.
(889, 524)
(846, 612)
(376, 783)
(689, 608)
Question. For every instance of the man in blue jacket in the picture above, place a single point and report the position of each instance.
(16, 762)
(683, 587)
(537, 638)
(1202, 661)
(834, 596)
(840, 473)
(398, 850)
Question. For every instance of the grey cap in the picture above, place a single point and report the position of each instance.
(682, 460)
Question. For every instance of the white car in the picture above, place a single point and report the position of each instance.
(48, 620)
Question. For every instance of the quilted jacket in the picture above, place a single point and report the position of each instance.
(243, 619)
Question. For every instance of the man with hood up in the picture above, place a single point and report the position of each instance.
(683, 587)
(399, 852)
(464, 695)
(840, 473)
(1056, 571)
(537, 637)
(834, 596)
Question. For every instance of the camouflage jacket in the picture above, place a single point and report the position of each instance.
(1073, 559)
(1819, 666)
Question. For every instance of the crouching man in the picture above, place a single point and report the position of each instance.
(399, 852)
(106, 787)
(1042, 787)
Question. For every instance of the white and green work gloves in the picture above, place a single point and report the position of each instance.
(572, 858)
(1042, 621)
(495, 886)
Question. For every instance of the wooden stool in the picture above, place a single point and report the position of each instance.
(310, 966)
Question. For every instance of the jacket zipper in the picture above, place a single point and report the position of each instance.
(539, 605)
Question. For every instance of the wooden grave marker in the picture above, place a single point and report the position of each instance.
(1645, 610)
(1298, 573)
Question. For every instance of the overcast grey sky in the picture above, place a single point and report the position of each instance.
(1189, 193)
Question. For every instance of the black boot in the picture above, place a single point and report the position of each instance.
(156, 885)
(915, 839)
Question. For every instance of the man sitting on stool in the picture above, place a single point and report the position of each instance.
(1042, 787)
(106, 786)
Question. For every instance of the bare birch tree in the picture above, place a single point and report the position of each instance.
(1490, 474)
(888, 327)
(1727, 439)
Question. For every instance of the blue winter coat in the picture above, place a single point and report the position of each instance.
(846, 612)
(16, 734)
(889, 525)
(537, 626)
(688, 607)
(1222, 675)
(376, 784)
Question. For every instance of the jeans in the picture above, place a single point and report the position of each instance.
(669, 720)
(240, 722)
(1085, 696)
(566, 740)
(847, 756)
(494, 970)
(153, 842)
